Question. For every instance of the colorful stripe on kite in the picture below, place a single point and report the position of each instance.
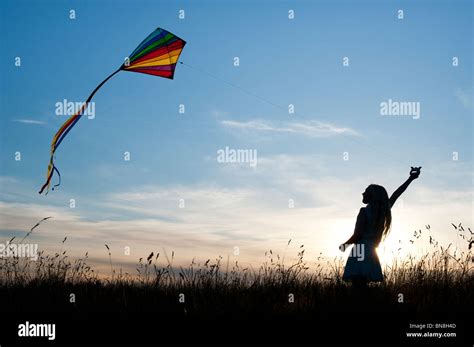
(157, 55)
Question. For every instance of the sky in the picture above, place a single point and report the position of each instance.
(174, 194)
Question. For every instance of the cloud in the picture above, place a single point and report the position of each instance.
(312, 128)
(214, 220)
(253, 215)
(28, 121)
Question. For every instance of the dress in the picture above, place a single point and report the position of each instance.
(363, 261)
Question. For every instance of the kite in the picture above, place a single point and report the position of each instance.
(157, 55)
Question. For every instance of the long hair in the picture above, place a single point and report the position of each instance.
(381, 207)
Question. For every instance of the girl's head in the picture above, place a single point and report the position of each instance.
(377, 197)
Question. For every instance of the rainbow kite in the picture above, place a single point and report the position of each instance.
(156, 55)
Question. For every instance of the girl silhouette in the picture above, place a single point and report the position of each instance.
(372, 226)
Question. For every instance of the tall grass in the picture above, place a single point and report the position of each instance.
(441, 279)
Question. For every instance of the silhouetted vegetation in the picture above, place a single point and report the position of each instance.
(439, 281)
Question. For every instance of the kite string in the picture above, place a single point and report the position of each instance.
(233, 85)
(245, 91)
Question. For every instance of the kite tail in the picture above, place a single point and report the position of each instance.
(61, 134)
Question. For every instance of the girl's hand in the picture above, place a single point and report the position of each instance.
(415, 172)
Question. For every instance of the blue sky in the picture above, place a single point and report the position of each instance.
(173, 156)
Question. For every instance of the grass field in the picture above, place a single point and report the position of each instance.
(439, 281)
(304, 302)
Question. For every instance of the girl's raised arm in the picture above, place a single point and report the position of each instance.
(414, 173)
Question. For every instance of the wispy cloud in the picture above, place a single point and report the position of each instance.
(214, 218)
(28, 121)
(312, 128)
